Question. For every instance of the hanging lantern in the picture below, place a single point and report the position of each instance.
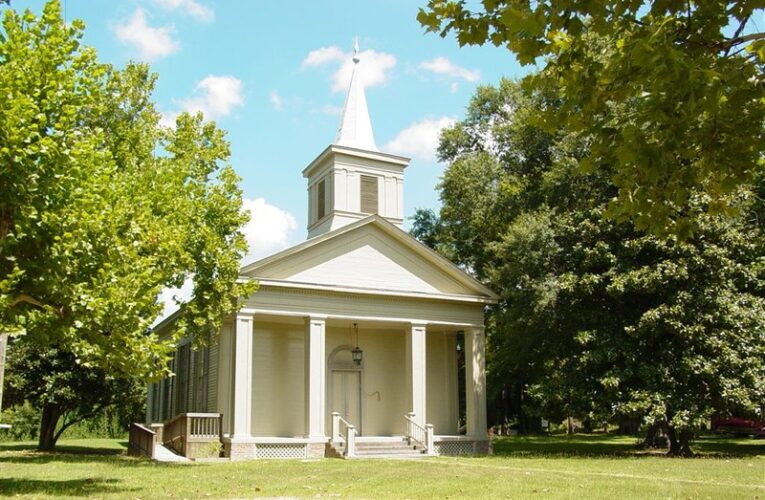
(357, 353)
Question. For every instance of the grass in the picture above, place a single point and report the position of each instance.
(585, 466)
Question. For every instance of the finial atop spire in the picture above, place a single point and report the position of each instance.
(355, 126)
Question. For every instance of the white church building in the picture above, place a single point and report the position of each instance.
(350, 346)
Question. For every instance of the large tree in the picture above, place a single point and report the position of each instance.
(598, 319)
(65, 392)
(102, 208)
(670, 93)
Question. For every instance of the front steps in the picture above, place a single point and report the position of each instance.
(380, 447)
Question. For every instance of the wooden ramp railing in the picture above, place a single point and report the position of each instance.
(194, 435)
(142, 441)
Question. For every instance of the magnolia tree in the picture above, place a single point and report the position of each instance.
(102, 208)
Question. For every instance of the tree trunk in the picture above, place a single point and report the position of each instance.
(570, 427)
(48, 423)
(654, 438)
(679, 442)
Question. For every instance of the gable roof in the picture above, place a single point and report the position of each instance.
(369, 256)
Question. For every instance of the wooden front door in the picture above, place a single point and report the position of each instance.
(346, 396)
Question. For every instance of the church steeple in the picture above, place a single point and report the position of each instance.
(351, 179)
(355, 129)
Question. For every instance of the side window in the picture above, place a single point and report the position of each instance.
(369, 194)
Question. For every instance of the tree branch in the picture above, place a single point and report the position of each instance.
(86, 416)
(28, 299)
(751, 37)
(737, 34)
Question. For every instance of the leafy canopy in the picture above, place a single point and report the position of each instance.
(597, 319)
(103, 208)
(671, 93)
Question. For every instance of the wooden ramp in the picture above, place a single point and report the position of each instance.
(162, 454)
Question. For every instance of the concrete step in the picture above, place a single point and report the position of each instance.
(401, 448)
(395, 456)
(384, 448)
(389, 452)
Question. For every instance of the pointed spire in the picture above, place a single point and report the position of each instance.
(355, 126)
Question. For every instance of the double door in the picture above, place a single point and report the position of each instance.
(345, 396)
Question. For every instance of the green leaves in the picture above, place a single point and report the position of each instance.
(599, 319)
(105, 208)
(673, 102)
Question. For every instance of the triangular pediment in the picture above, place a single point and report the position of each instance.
(371, 254)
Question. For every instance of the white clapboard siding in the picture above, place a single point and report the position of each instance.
(278, 368)
(365, 258)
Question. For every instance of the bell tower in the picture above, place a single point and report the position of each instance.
(352, 179)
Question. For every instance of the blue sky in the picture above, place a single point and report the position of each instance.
(274, 75)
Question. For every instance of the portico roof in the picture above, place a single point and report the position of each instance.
(370, 256)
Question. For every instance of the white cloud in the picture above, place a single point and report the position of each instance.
(332, 110)
(194, 9)
(454, 87)
(443, 66)
(269, 229)
(322, 56)
(152, 43)
(215, 96)
(172, 297)
(168, 119)
(420, 139)
(375, 66)
(276, 100)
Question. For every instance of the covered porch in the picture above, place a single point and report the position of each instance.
(289, 387)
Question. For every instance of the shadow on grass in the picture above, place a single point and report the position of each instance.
(26, 453)
(68, 448)
(587, 445)
(71, 487)
(613, 446)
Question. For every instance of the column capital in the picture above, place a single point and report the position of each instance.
(245, 316)
(477, 330)
(315, 318)
(418, 324)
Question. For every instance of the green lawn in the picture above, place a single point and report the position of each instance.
(535, 467)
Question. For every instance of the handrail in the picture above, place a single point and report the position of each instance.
(419, 434)
(350, 434)
(142, 441)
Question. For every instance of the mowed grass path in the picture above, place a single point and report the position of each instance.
(540, 467)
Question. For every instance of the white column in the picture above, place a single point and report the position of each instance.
(315, 376)
(475, 382)
(415, 371)
(242, 404)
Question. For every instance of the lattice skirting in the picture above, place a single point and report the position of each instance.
(453, 448)
(281, 450)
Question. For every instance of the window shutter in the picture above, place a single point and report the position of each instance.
(322, 199)
(369, 194)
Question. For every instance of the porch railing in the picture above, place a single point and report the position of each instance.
(340, 428)
(418, 434)
(142, 441)
(188, 433)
